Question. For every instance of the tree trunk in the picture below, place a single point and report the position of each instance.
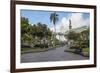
(54, 35)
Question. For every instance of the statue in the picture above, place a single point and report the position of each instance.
(70, 26)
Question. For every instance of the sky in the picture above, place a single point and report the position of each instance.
(41, 16)
(77, 19)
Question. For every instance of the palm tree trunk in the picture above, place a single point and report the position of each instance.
(54, 35)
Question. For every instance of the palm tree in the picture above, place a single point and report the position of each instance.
(54, 19)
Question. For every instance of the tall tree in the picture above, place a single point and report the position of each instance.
(54, 19)
(24, 28)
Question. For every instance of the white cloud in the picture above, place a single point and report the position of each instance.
(76, 21)
(61, 26)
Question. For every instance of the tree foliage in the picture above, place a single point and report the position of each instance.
(34, 34)
(54, 17)
(80, 40)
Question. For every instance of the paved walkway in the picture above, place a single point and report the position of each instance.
(57, 54)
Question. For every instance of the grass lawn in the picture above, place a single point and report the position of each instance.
(85, 51)
(33, 50)
(69, 50)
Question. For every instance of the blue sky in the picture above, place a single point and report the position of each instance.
(43, 16)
